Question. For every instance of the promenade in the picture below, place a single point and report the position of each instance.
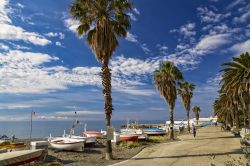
(191, 152)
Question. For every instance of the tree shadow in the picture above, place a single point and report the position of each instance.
(211, 138)
(53, 159)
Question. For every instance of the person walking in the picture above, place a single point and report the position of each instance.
(194, 130)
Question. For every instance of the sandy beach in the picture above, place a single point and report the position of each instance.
(94, 155)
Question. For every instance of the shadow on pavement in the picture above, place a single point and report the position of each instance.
(237, 151)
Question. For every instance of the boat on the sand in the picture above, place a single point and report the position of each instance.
(128, 137)
(154, 131)
(95, 134)
(17, 158)
(12, 145)
(68, 144)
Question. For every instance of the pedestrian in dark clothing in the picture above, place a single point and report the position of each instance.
(194, 131)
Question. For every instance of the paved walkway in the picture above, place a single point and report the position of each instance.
(190, 151)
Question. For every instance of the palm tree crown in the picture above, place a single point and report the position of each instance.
(236, 75)
(196, 111)
(165, 82)
(103, 21)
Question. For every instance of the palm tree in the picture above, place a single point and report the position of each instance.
(196, 110)
(103, 21)
(165, 80)
(186, 93)
(222, 109)
(236, 79)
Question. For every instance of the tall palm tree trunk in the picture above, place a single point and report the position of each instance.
(106, 82)
(248, 113)
(171, 123)
(188, 121)
(237, 119)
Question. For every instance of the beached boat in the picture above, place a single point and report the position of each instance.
(12, 145)
(87, 140)
(95, 134)
(63, 143)
(154, 131)
(137, 132)
(16, 158)
(128, 137)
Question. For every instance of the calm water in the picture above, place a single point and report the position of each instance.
(43, 129)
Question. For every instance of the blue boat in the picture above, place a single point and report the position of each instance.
(154, 131)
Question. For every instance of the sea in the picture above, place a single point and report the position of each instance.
(43, 129)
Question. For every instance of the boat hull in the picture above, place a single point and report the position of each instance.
(67, 144)
(124, 138)
(154, 131)
(95, 134)
(17, 158)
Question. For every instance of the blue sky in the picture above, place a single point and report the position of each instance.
(46, 67)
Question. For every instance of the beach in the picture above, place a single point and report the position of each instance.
(95, 154)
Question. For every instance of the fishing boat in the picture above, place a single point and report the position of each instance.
(154, 131)
(68, 144)
(87, 140)
(16, 158)
(136, 132)
(128, 137)
(132, 130)
(4, 138)
(12, 145)
(95, 134)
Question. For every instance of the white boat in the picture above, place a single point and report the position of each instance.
(154, 131)
(135, 132)
(95, 134)
(22, 157)
(132, 130)
(87, 140)
(64, 143)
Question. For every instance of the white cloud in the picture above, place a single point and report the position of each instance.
(55, 34)
(4, 12)
(186, 30)
(243, 18)
(131, 37)
(4, 47)
(211, 42)
(235, 3)
(209, 16)
(8, 31)
(59, 44)
(136, 11)
(182, 46)
(20, 5)
(19, 47)
(132, 16)
(71, 24)
(145, 48)
(242, 47)
(138, 92)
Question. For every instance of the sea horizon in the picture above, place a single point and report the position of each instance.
(42, 129)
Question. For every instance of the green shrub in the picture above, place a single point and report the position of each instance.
(130, 144)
